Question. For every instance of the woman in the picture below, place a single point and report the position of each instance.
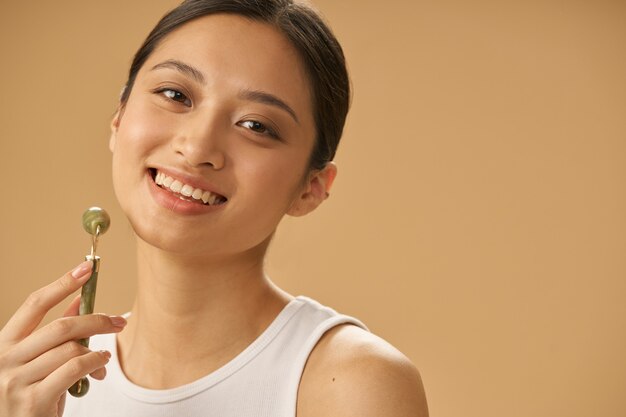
(229, 120)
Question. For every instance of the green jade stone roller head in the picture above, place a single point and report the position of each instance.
(96, 222)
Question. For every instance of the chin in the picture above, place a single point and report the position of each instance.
(184, 240)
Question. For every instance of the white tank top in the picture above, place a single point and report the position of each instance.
(262, 381)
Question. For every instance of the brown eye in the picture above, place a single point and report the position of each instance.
(254, 125)
(258, 127)
(175, 95)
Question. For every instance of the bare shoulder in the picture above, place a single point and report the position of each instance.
(352, 372)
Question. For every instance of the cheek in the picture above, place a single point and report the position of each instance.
(277, 179)
(138, 134)
(140, 130)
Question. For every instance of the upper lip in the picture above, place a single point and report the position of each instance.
(189, 179)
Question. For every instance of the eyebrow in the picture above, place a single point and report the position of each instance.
(183, 68)
(267, 98)
(257, 96)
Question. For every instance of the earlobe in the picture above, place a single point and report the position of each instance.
(316, 190)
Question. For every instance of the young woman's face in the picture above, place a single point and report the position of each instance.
(223, 108)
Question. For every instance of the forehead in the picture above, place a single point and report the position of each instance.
(234, 52)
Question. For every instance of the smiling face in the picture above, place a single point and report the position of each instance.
(212, 147)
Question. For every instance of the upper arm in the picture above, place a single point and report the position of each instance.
(352, 372)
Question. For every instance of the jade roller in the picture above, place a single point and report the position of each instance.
(96, 222)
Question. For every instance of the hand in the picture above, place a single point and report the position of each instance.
(37, 367)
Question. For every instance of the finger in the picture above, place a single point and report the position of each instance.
(49, 361)
(72, 309)
(59, 381)
(33, 310)
(63, 330)
(61, 406)
(99, 373)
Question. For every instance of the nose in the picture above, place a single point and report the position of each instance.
(201, 142)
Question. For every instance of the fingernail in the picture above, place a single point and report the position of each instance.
(118, 321)
(106, 354)
(82, 269)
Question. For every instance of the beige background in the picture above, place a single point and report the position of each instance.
(478, 220)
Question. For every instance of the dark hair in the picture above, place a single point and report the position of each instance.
(319, 50)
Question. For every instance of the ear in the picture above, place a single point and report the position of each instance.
(315, 191)
(115, 124)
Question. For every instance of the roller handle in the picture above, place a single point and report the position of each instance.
(87, 302)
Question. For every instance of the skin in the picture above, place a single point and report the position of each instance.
(200, 276)
(38, 366)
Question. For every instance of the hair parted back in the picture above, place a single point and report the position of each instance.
(316, 44)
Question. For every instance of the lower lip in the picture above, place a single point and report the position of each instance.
(171, 201)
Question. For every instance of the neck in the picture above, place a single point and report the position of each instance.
(194, 314)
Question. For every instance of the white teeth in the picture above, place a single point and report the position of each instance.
(176, 186)
(186, 190)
